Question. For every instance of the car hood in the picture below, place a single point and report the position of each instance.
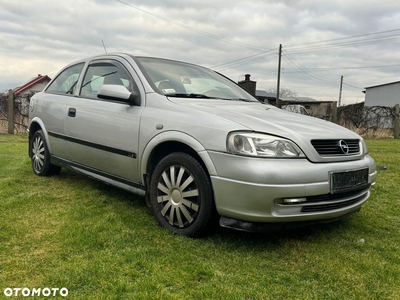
(271, 120)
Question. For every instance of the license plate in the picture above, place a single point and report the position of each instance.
(346, 181)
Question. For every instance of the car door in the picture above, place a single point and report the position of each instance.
(51, 107)
(103, 135)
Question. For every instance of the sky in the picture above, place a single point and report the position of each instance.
(321, 40)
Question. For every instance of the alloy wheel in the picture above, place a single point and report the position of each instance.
(38, 154)
(178, 194)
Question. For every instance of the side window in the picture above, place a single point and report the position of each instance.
(65, 82)
(101, 73)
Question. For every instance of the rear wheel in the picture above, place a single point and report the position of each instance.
(181, 195)
(40, 156)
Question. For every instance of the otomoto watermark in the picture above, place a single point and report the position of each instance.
(27, 292)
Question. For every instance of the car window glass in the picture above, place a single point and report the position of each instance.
(65, 82)
(175, 78)
(105, 73)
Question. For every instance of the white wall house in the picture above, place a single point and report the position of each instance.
(34, 85)
(383, 95)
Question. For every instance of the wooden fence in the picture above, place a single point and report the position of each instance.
(14, 113)
(370, 121)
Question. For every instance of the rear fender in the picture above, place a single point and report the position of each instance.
(37, 121)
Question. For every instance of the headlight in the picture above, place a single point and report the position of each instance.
(262, 145)
(364, 146)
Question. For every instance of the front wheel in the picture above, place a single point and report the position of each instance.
(181, 195)
(40, 156)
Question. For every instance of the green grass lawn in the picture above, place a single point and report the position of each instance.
(103, 243)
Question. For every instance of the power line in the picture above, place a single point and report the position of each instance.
(210, 35)
(387, 35)
(333, 46)
(346, 38)
(265, 75)
(306, 72)
(325, 45)
(373, 38)
(353, 86)
(244, 62)
(301, 68)
(348, 68)
(233, 62)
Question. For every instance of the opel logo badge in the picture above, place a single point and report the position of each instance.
(344, 147)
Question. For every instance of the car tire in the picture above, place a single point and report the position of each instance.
(181, 196)
(40, 156)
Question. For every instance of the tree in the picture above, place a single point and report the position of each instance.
(284, 92)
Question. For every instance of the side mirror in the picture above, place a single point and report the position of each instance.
(118, 92)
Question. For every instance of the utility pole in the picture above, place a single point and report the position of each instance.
(278, 85)
(340, 91)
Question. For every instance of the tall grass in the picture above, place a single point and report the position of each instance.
(369, 133)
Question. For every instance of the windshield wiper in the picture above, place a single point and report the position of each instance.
(193, 95)
(245, 100)
(187, 95)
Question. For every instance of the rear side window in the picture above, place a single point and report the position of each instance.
(65, 82)
(105, 73)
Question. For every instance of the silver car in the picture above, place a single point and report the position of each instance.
(198, 145)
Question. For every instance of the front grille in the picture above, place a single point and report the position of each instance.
(338, 196)
(326, 202)
(333, 147)
(332, 201)
(330, 206)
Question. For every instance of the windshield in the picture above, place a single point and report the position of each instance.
(178, 79)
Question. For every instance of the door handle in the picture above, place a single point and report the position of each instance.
(72, 112)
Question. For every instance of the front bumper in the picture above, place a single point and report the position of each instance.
(254, 189)
(274, 227)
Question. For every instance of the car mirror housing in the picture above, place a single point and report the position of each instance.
(118, 92)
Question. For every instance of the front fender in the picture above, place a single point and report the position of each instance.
(175, 136)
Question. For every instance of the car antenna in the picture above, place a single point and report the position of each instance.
(104, 46)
